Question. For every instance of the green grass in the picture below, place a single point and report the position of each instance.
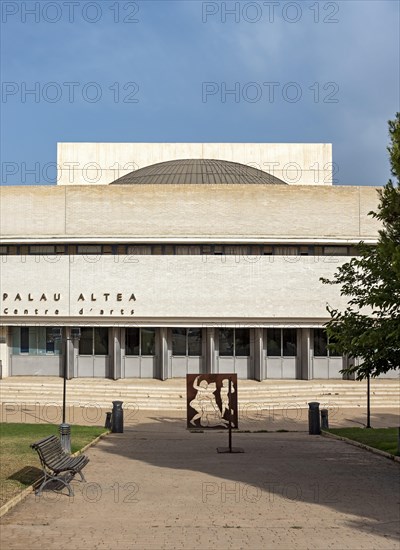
(384, 439)
(19, 464)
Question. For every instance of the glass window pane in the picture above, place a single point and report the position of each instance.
(101, 341)
(320, 343)
(333, 353)
(42, 249)
(33, 336)
(51, 345)
(194, 342)
(89, 249)
(86, 341)
(138, 250)
(286, 250)
(178, 341)
(242, 342)
(41, 340)
(335, 250)
(132, 341)
(182, 250)
(16, 340)
(148, 340)
(226, 342)
(274, 342)
(289, 342)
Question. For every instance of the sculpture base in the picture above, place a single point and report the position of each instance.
(228, 450)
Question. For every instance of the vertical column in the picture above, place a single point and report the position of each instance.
(258, 354)
(4, 352)
(163, 356)
(210, 350)
(305, 354)
(115, 353)
(68, 355)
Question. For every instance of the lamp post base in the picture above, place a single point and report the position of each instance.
(65, 437)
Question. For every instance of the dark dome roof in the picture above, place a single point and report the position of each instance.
(198, 171)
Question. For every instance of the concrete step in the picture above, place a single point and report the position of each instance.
(172, 393)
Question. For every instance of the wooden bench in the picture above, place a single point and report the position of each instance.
(55, 461)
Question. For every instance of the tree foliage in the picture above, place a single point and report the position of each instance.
(369, 328)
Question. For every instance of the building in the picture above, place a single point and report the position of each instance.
(178, 258)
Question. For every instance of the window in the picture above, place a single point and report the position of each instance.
(86, 341)
(187, 250)
(89, 249)
(242, 342)
(321, 343)
(194, 341)
(140, 341)
(138, 250)
(286, 250)
(289, 342)
(45, 250)
(24, 340)
(34, 341)
(335, 250)
(132, 341)
(50, 343)
(93, 341)
(186, 342)
(101, 341)
(147, 341)
(234, 342)
(274, 342)
(281, 342)
(226, 339)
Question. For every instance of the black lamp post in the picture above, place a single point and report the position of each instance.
(368, 401)
(64, 428)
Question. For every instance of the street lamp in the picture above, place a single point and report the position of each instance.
(64, 428)
(368, 401)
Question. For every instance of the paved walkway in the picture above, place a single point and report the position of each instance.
(158, 486)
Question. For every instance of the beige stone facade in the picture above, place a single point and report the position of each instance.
(166, 280)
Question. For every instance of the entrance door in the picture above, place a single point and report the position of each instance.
(140, 359)
(325, 364)
(93, 358)
(281, 353)
(187, 355)
(235, 352)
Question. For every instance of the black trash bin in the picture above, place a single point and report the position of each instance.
(108, 420)
(314, 424)
(324, 419)
(117, 418)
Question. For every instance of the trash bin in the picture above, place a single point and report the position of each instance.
(108, 420)
(117, 417)
(324, 419)
(314, 425)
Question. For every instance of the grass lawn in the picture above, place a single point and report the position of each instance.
(19, 464)
(384, 439)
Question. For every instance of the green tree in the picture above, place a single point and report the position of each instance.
(369, 328)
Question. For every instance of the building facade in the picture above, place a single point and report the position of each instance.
(176, 259)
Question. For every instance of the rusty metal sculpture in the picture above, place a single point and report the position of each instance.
(208, 402)
(212, 402)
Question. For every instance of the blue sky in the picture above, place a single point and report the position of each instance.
(334, 65)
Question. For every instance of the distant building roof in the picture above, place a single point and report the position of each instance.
(195, 171)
